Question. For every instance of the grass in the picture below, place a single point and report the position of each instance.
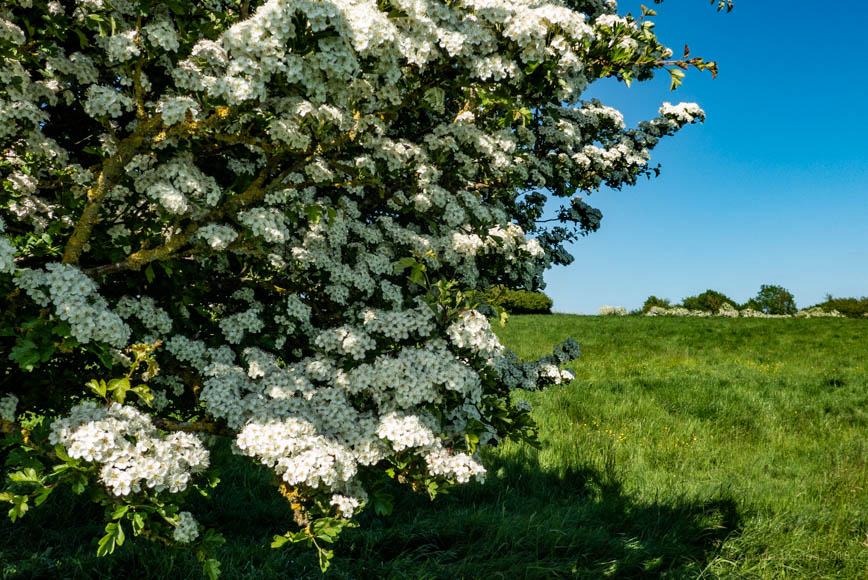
(685, 448)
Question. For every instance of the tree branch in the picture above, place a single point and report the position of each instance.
(193, 427)
(109, 177)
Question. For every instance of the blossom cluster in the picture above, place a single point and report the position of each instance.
(217, 236)
(76, 300)
(106, 102)
(149, 314)
(178, 185)
(129, 449)
(8, 404)
(187, 528)
(7, 256)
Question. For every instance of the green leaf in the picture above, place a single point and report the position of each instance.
(79, 484)
(103, 353)
(19, 507)
(433, 489)
(120, 388)
(314, 213)
(25, 353)
(144, 393)
(98, 387)
(138, 522)
(325, 558)
(383, 504)
(212, 540)
(676, 77)
(472, 441)
(417, 275)
(42, 495)
(149, 274)
(120, 512)
(211, 568)
(403, 264)
(114, 537)
(528, 70)
(62, 328)
(213, 478)
(60, 451)
(83, 42)
(295, 538)
(27, 475)
(6, 496)
(122, 384)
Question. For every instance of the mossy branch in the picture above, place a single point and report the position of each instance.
(111, 174)
(255, 192)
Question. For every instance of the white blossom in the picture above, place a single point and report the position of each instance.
(8, 405)
(130, 451)
(187, 528)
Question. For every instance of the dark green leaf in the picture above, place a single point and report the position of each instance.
(403, 264)
(79, 484)
(42, 495)
(60, 451)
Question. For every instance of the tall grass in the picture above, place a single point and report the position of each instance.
(685, 448)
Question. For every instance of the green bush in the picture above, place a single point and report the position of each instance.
(709, 301)
(850, 307)
(520, 301)
(772, 299)
(653, 301)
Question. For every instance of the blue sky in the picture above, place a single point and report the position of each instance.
(771, 189)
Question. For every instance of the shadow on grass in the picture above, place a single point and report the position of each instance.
(524, 522)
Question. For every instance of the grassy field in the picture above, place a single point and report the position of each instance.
(685, 448)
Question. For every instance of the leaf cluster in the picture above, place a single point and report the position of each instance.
(708, 301)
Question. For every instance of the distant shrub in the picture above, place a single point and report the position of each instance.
(653, 301)
(772, 299)
(708, 301)
(849, 307)
(520, 301)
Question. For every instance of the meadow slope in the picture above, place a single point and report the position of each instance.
(685, 448)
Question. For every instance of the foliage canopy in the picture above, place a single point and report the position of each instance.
(709, 301)
(773, 299)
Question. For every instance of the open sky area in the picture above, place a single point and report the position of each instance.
(771, 189)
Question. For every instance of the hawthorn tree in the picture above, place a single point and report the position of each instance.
(773, 299)
(261, 221)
